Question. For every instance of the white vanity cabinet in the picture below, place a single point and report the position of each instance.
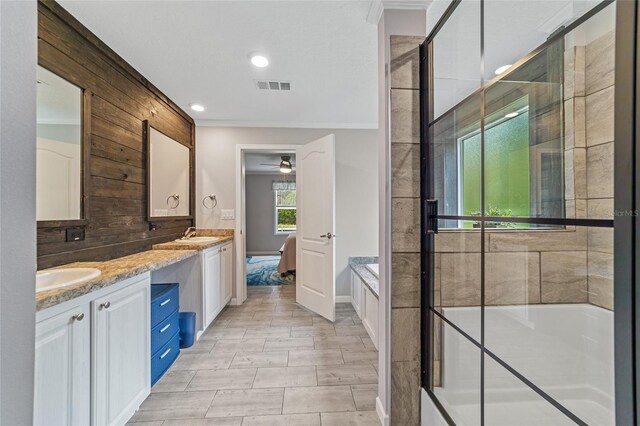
(121, 376)
(365, 303)
(92, 360)
(226, 273)
(356, 292)
(211, 284)
(217, 279)
(62, 366)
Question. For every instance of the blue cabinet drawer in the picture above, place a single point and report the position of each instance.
(164, 301)
(162, 360)
(163, 332)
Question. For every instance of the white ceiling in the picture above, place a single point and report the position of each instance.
(259, 163)
(198, 52)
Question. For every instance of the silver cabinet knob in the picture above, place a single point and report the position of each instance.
(78, 317)
(106, 305)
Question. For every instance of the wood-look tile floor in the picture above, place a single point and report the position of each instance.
(271, 362)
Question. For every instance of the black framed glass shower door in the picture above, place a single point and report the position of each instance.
(517, 226)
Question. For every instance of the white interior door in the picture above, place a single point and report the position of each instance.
(315, 251)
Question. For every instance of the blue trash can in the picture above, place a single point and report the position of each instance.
(187, 329)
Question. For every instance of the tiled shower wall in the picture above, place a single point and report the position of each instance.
(573, 265)
(405, 216)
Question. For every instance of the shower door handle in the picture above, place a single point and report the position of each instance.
(431, 216)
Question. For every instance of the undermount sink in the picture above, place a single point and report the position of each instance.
(57, 278)
(199, 240)
(374, 268)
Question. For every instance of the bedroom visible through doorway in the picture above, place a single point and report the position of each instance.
(270, 215)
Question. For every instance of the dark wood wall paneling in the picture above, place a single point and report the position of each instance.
(120, 100)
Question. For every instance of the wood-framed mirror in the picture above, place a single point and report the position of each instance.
(169, 176)
(62, 150)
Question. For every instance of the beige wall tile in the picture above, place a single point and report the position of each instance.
(405, 280)
(460, 279)
(601, 239)
(580, 172)
(405, 329)
(599, 117)
(539, 240)
(578, 74)
(512, 278)
(457, 241)
(405, 393)
(600, 63)
(405, 228)
(405, 170)
(579, 122)
(600, 171)
(405, 115)
(436, 280)
(564, 277)
(569, 176)
(600, 208)
(569, 67)
(405, 62)
(600, 266)
(568, 123)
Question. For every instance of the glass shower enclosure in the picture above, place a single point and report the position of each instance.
(517, 189)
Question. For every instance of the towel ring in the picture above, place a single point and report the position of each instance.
(214, 201)
(176, 198)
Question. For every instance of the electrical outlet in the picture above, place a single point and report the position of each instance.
(75, 234)
(228, 214)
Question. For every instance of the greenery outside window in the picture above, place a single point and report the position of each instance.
(285, 211)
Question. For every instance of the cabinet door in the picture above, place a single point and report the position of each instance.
(226, 274)
(211, 284)
(63, 369)
(121, 374)
(356, 293)
(370, 314)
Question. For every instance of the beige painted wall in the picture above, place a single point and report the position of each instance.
(356, 183)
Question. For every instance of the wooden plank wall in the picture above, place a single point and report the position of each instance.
(120, 100)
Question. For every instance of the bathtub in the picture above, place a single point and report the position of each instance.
(566, 350)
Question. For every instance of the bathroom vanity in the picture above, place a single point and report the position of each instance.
(364, 293)
(93, 342)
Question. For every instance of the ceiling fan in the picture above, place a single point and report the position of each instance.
(286, 166)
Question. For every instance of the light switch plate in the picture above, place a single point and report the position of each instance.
(228, 214)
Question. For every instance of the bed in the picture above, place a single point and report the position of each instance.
(288, 255)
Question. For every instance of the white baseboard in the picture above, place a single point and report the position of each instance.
(233, 302)
(343, 299)
(384, 417)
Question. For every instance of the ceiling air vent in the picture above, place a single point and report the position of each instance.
(273, 85)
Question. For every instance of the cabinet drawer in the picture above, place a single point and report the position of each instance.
(162, 360)
(163, 332)
(164, 301)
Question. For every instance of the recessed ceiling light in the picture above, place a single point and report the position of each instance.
(511, 115)
(502, 69)
(197, 107)
(259, 61)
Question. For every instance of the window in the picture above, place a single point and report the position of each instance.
(285, 201)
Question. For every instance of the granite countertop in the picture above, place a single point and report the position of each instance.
(221, 236)
(113, 271)
(359, 266)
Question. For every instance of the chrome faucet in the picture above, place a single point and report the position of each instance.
(190, 232)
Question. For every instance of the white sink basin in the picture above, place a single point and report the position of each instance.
(374, 268)
(57, 278)
(199, 240)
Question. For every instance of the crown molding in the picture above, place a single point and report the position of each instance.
(377, 7)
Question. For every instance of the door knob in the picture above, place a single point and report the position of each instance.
(327, 235)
